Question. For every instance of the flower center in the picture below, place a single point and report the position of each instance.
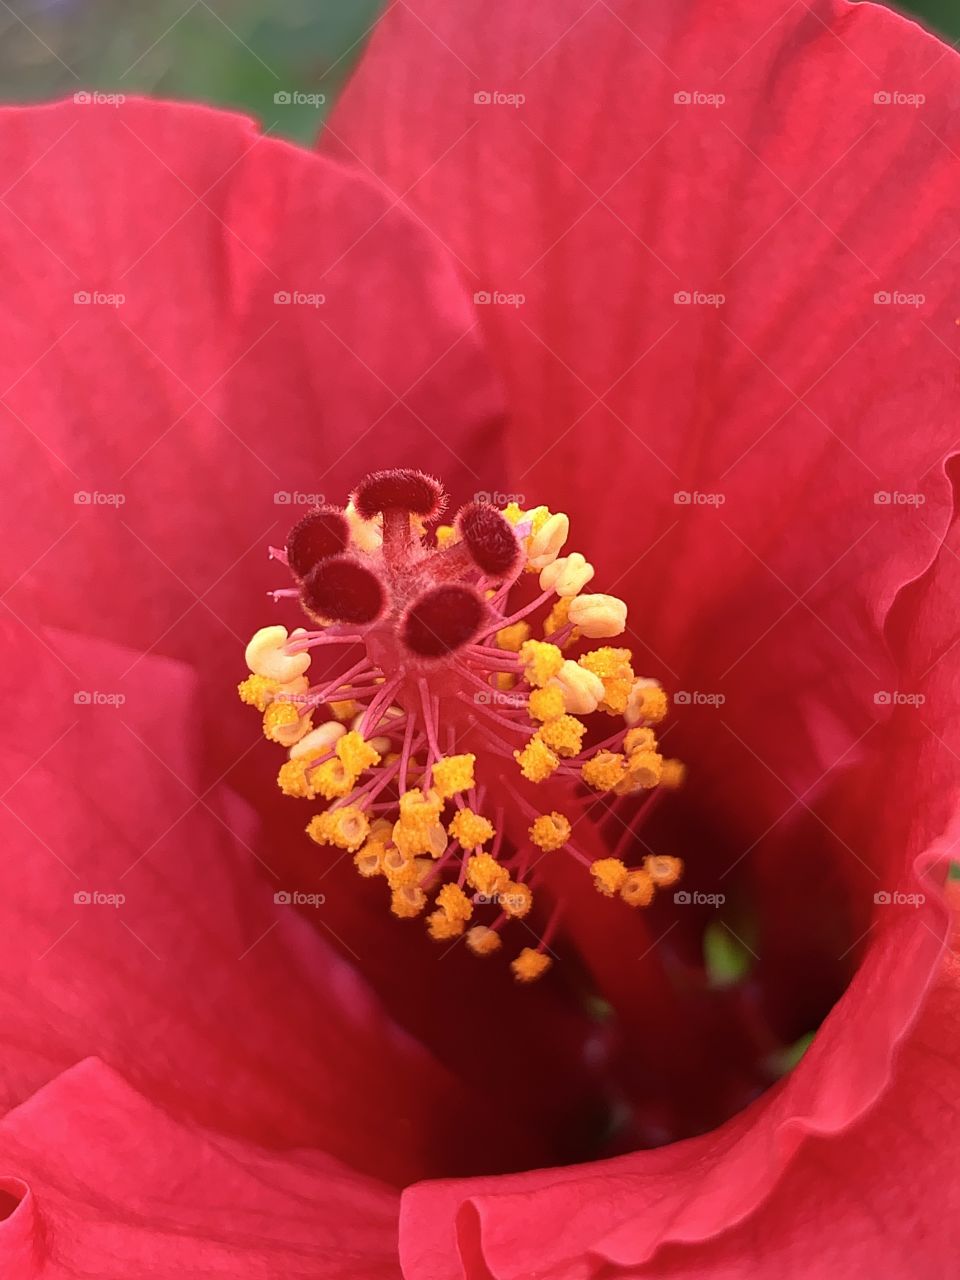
(433, 752)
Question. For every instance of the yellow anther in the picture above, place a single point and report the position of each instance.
(333, 779)
(550, 831)
(609, 875)
(546, 704)
(537, 762)
(637, 890)
(608, 663)
(265, 655)
(616, 695)
(318, 741)
(558, 617)
(345, 711)
(259, 691)
(446, 536)
(399, 867)
(563, 735)
(483, 941)
(420, 837)
(443, 928)
(673, 775)
(547, 535)
(567, 576)
(604, 770)
(516, 899)
(540, 660)
(599, 615)
(369, 859)
(452, 901)
(453, 775)
(366, 535)
(349, 827)
(643, 772)
(486, 875)
(407, 901)
(647, 703)
(639, 740)
(511, 638)
(530, 965)
(283, 723)
(471, 829)
(663, 871)
(581, 689)
(356, 753)
(513, 513)
(293, 780)
(503, 681)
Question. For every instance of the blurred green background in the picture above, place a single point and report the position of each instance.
(240, 53)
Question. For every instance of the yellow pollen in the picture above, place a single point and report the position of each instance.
(604, 770)
(673, 775)
(407, 901)
(504, 681)
(647, 702)
(471, 829)
(550, 831)
(516, 899)
(333, 780)
(486, 875)
(400, 868)
(662, 870)
(643, 773)
(356, 753)
(293, 781)
(369, 859)
(530, 965)
(546, 704)
(537, 762)
(258, 691)
(452, 901)
(637, 890)
(345, 711)
(616, 695)
(446, 536)
(639, 740)
(609, 875)
(558, 617)
(513, 513)
(442, 928)
(424, 837)
(453, 775)
(483, 941)
(563, 735)
(283, 723)
(540, 660)
(513, 637)
(608, 663)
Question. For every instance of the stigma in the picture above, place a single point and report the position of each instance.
(468, 715)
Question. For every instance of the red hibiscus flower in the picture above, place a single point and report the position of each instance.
(686, 279)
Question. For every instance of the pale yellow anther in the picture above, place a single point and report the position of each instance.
(454, 902)
(662, 870)
(567, 576)
(530, 965)
(265, 656)
(647, 703)
(540, 660)
(581, 689)
(598, 616)
(318, 741)
(547, 703)
(609, 875)
(356, 753)
(407, 901)
(366, 535)
(604, 770)
(446, 536)
(563, 735)
(471, 829)
(482, 941)
(293, 780)
(511, 638)
(333, 779)
(550, 831)
(283, 723)
(537, 762)
(546, 539)
(638, 889)
(453, 774)
(515, 899)
(486, 875)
